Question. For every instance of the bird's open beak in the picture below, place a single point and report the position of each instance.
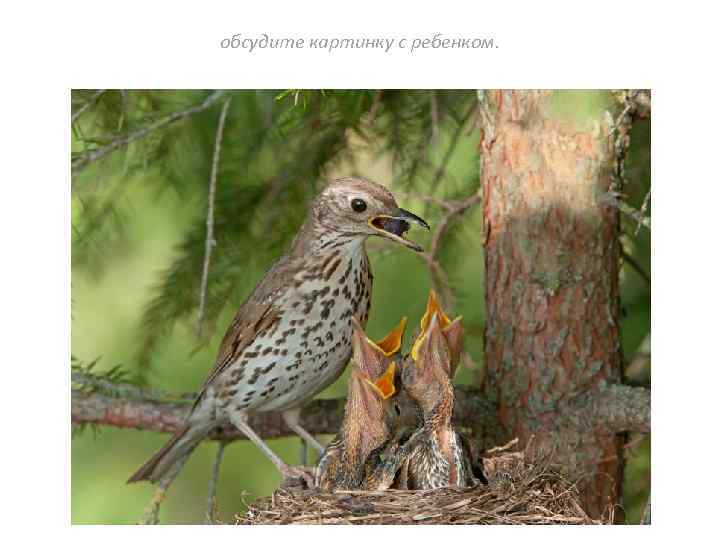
(431, 348)
(451, 328)
(392, 343)
(370, 357)
(433, 306)
(385, 384)
(395, 226)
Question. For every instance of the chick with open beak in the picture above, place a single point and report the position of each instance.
(442, 459)
(411, 414)
(451, 329)
(352, 460)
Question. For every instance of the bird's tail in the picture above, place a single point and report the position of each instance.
(180, 445)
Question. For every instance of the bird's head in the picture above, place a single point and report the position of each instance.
(451, 329)
(424, 372)
(427, 371)
(362, 208)
(372, 388)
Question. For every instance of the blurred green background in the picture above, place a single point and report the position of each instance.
(138, 219)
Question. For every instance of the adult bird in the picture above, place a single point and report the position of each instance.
(291, 338)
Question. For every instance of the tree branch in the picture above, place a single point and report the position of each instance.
(435, 117)
(617, 408)
(613, 199)
(637, 368)
(209, 237)
(453, 209)
(442, 168)
(643, 210)
(642, 103)
(646, 520)
(85, 158)
(635, 266)
(85, 106)
(375, 107)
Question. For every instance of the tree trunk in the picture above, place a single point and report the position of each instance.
(551, 283)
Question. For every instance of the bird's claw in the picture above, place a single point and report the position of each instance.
(297, 477)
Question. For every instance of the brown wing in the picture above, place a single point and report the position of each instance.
(250, 320)
(329, 472)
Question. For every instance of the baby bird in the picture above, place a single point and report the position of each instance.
(411, 417)
(442, 458)
(354, 460)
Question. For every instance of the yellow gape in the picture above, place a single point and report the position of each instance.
(433, 307)
(385, 385)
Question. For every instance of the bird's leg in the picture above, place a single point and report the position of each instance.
(239, 420)
(292, 419)
(212, 488)
(303, 452)
(151, 513)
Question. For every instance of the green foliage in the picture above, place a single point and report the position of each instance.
(86, 378)
(116, 382)
(138, 243)
(276, 147)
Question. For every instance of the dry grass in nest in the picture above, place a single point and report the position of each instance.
(519, 493)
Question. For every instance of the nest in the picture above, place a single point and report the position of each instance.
(519, 492)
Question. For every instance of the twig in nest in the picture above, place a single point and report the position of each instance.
(519, 492)
(498, 449)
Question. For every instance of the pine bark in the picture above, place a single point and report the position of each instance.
(552, 285)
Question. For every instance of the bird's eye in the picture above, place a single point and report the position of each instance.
(358, 205)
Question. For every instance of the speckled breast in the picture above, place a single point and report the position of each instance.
(430, 469)
(311, 344)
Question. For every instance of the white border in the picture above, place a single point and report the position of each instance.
(49, 48)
